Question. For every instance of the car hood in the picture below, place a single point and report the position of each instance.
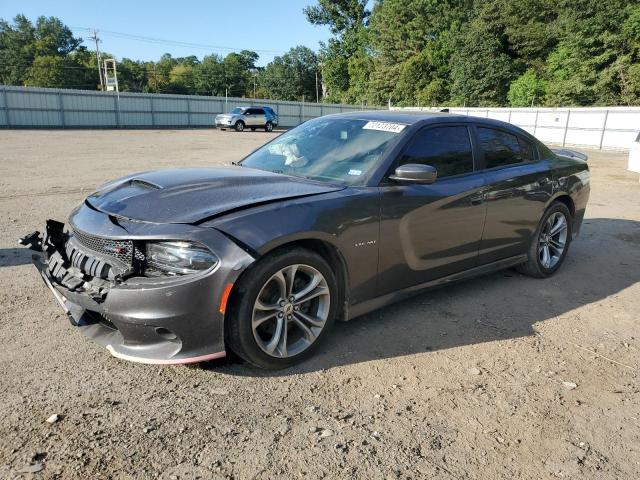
(191, 195)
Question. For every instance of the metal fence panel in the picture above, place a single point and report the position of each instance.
(60, 108)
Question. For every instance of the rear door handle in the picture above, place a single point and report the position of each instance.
(478, 198)
(544, 181)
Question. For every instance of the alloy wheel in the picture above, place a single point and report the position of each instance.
(291, 311)
(553, 240)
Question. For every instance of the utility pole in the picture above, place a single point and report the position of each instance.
(94, 36)
(155, 77)
(317, 94)
(254, 86)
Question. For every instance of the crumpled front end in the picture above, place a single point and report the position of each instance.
(101, 282)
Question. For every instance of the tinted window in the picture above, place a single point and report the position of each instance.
(527, 150)
(257, 111)
(448, 149)
(501, 148)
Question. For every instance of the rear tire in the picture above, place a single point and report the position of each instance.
(268, 127)
(550, 242)
(282, 309)
(239, 126)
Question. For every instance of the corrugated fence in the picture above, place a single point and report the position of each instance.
(595, 127)
(27, 107)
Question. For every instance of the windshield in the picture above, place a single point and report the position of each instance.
(237, 110)
(334, 150)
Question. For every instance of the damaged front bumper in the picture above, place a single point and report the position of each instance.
(165, 320)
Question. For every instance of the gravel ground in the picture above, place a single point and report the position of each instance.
(499, 377)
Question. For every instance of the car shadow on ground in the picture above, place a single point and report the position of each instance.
(604, 260)
(11, 257)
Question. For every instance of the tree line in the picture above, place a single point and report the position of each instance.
(407, 52)
(481, 52)
(46, 54)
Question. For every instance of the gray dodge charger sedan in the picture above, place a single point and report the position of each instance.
(337, 217)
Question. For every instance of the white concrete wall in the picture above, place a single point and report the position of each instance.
(593, 127)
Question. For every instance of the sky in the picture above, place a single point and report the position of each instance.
(269, 28)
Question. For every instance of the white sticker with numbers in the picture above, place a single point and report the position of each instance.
(384, 127)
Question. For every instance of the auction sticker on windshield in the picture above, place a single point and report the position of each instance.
(384, 127)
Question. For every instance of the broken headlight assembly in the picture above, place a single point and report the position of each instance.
(178, 258)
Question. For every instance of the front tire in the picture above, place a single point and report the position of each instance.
(550, 242)
(282, 309)
(239, 126)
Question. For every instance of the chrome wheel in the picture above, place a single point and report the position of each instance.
(553, 240)
(269, 127)
(291, 311)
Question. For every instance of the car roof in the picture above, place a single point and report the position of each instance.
(412, 117)
(407, 117)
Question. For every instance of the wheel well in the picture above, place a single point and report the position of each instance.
(335, 260)
(568, 201)
(327, 251)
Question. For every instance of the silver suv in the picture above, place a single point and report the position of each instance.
(248, 117)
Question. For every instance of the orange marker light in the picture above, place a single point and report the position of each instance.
(225, 296)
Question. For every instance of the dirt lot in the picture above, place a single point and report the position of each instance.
(500, 377)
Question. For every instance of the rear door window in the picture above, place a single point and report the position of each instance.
(501, 148)
(448, 149)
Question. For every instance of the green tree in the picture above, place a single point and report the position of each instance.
(526, 89)
(481, 70)
(291, 76)
(209, 76)
(133, 76)
(23, 44)
(347, 20)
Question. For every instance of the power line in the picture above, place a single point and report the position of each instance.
(163, 41)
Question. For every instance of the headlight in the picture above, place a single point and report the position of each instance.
(179, 258)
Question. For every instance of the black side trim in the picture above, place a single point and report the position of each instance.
(379, 302)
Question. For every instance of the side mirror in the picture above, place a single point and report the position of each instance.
(246, 112)
(415, 173)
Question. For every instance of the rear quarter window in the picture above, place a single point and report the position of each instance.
(502, 149)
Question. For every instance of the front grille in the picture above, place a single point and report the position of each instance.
(123, 250)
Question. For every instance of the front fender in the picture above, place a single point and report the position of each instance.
(347, 220)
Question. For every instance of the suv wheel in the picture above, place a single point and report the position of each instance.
(268, 127)
(239, 126)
